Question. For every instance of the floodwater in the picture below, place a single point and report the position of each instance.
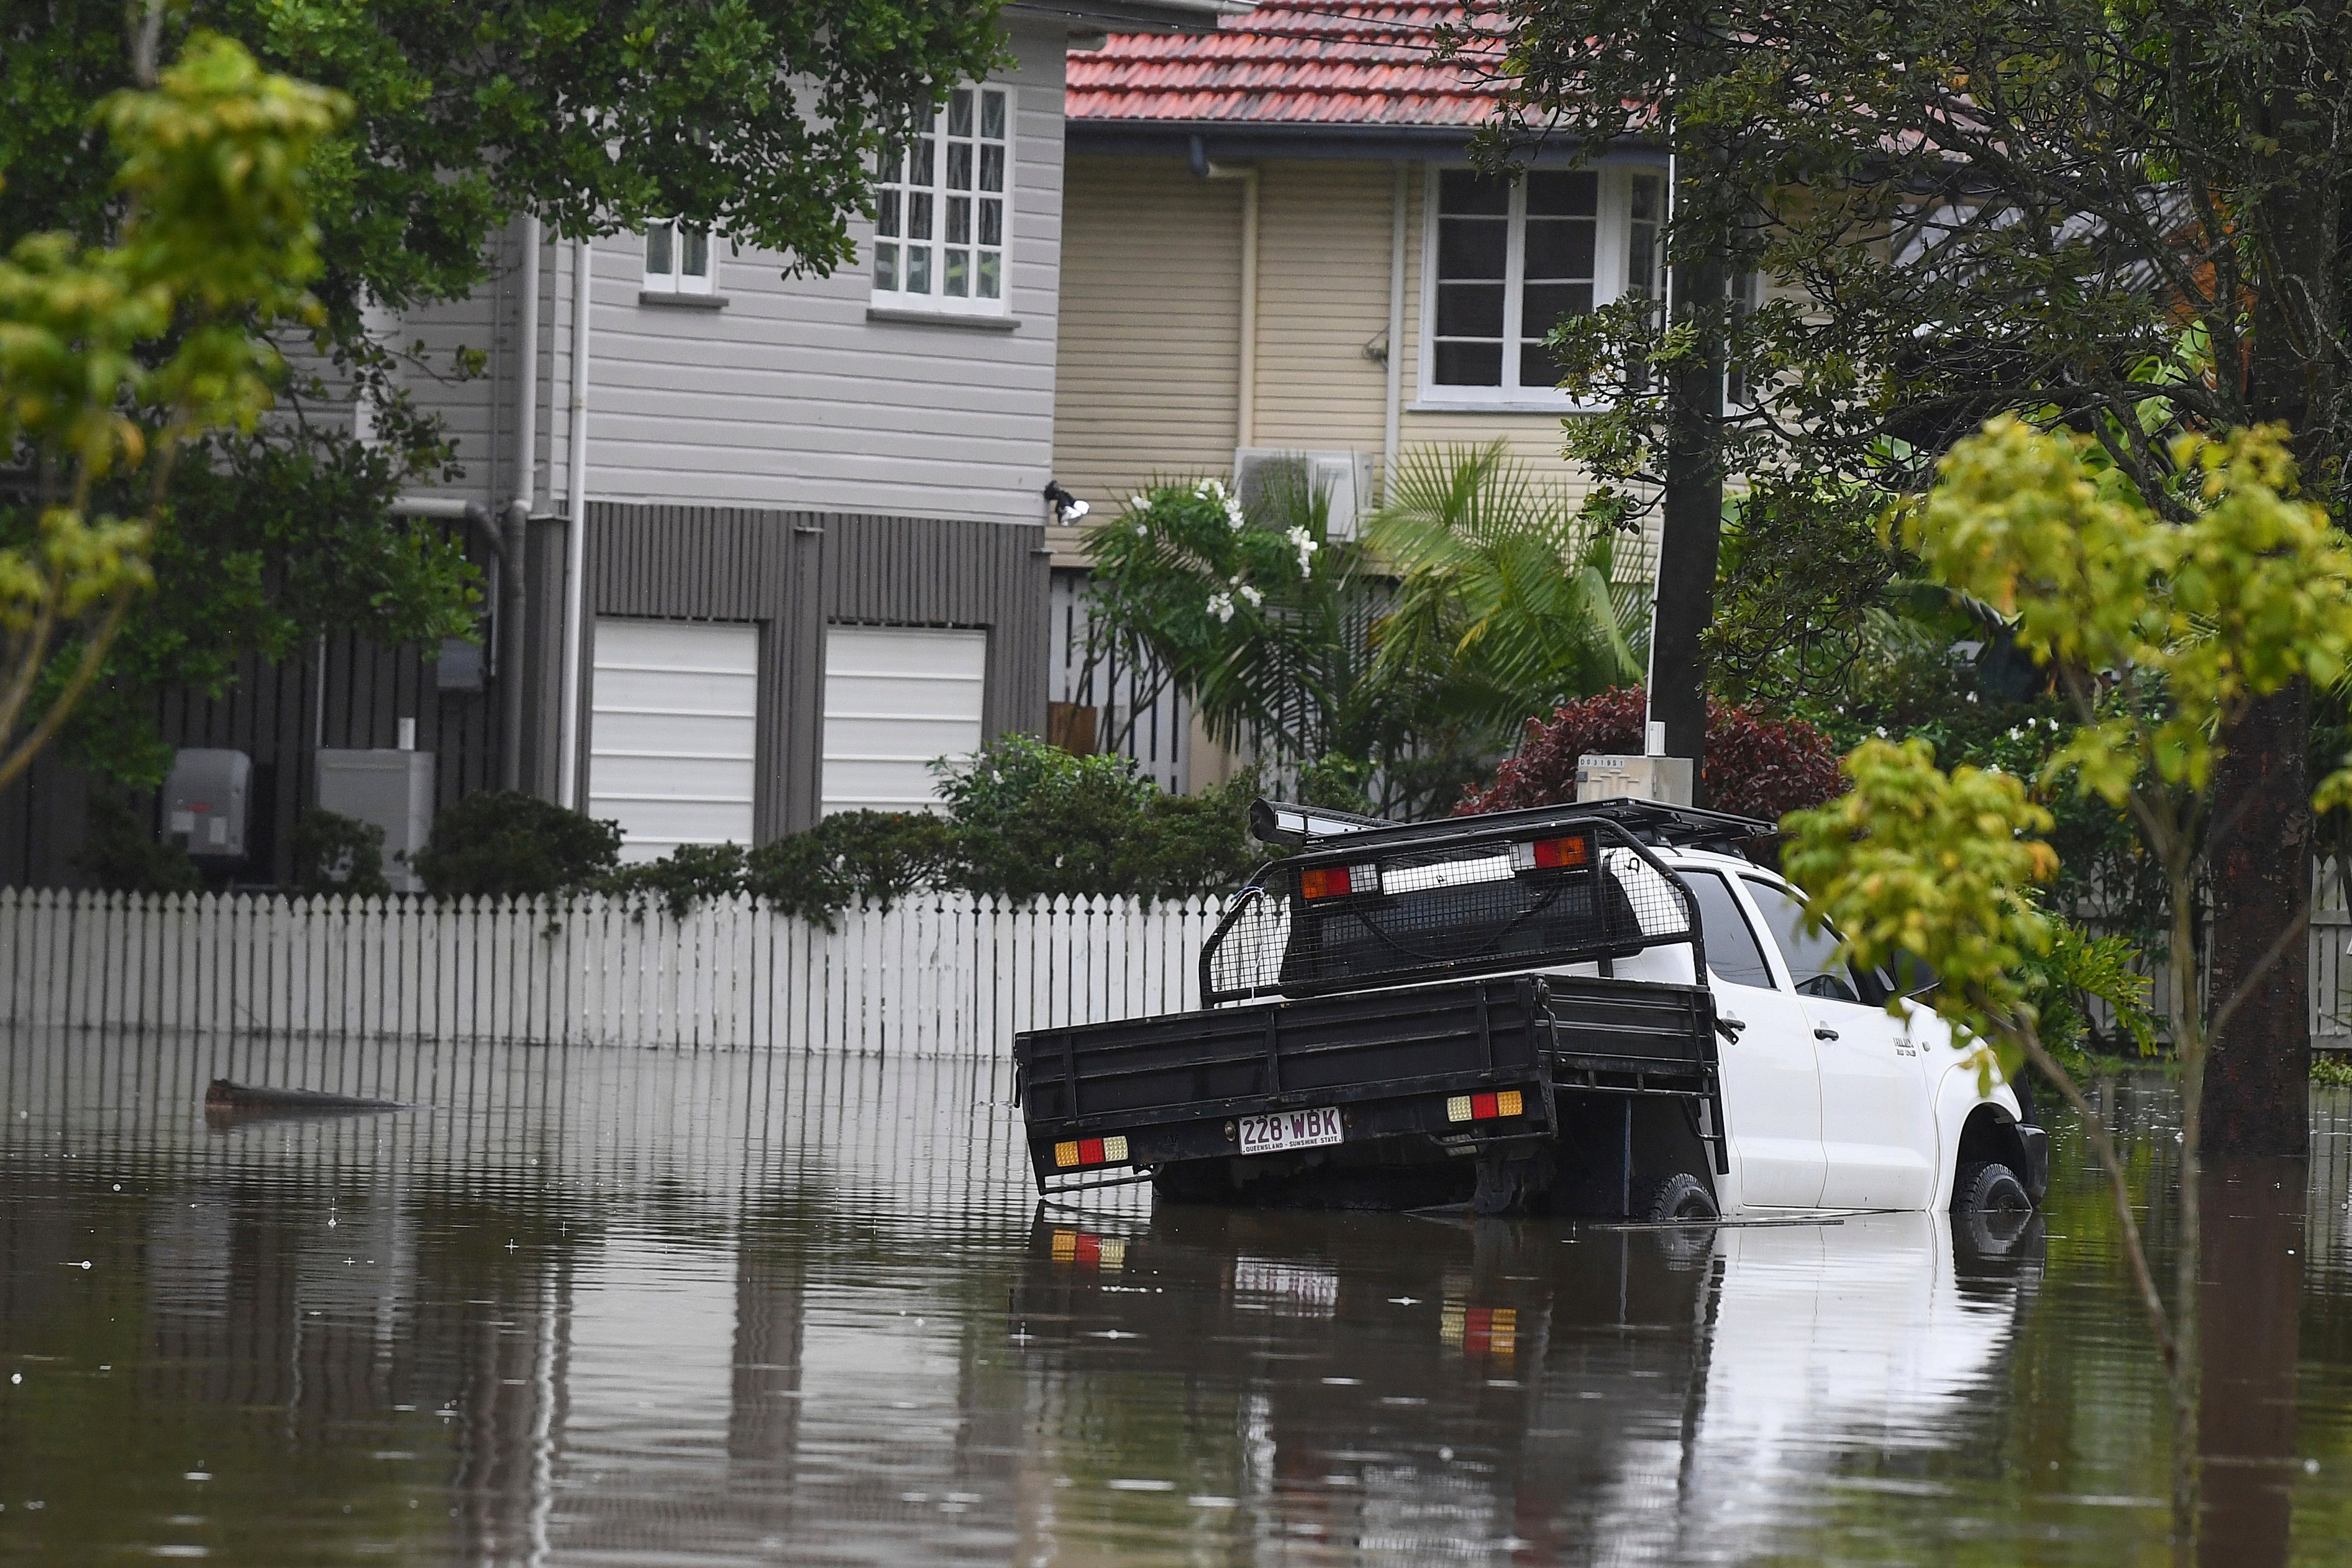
(612, 1305)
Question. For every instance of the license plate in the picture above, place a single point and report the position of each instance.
(1291, 1130)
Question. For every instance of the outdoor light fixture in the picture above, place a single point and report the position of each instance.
(1067, 508)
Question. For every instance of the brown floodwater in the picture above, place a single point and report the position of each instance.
(632, 1307)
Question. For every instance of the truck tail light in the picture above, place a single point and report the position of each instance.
(1089, 1251)
(1338, 881)
(1079, 1152)
(1486, 1107)
(1551, 855)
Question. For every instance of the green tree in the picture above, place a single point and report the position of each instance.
(114, 359)
(760, 118)
(2250, 592)
(2122, 218)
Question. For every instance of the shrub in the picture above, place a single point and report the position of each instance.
(876, 856)
(1755, 766)
(121, 854)
(502, 843)
(686, 876)
(337, 854)
(1033, 821)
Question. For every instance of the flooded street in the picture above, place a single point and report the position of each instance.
(625, 1306)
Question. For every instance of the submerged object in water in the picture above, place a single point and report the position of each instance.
(225, 1102)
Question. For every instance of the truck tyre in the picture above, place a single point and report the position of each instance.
(1681, 1196)
(1988, 1186)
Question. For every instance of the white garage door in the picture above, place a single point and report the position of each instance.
(674, 723)
(894, 697)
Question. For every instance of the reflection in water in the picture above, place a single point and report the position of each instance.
(622, 1306)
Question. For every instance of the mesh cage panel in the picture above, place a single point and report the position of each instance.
(1464, 908)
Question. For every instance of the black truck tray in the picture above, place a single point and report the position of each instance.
(1391, 1063)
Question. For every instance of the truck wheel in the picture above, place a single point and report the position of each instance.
(1988, 1186)
(1681, 1196)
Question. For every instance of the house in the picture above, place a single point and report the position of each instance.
(785, 535)
(1274, 242)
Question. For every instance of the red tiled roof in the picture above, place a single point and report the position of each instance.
(1294, 62)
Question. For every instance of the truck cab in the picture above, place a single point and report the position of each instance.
(1604, 1009)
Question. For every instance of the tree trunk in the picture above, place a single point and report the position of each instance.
(1691, 513)
(2258, 1087)
(2258, 1083)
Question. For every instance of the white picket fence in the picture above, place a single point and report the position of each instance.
(942, 975)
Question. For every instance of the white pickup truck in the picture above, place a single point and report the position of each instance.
(1598, 1009)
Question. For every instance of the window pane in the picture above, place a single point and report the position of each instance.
(657, 251)
(1544, 305)
(1470, 309)
(992, 223)
(1649, 194)
(886, 267)
(1809, 954)
(1462, 191)
(1537, 370)
(991, 168)
(893, 164)
(959, 165)
(918, 270)
(919, 214)
(992, 115)
(959, 273)
(1732, 949)
(695, 259)
(1472, 248)
(1469, 365)
(991, 274)
(886, 212)
(959, 220)
(919, 171)
(1560, 196)
(959, 112)
(1561, 248)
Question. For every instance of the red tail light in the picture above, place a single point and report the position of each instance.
(1338, 881)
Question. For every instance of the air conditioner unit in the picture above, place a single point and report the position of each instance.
(1346, 478)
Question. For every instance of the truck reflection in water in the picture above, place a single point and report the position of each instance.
(1427, 1388)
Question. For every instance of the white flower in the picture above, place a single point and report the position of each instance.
(1138, 503)
(1304, 542)
(1880, 732)
(1221, 606)
(1972, 697)
(1210, 490)
(1233, 517)
(1251, 595)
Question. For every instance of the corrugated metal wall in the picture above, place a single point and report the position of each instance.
(793, 572)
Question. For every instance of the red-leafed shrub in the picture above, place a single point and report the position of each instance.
(1755, 766)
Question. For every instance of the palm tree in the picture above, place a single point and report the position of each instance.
(1508, 603)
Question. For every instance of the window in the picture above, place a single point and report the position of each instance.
(677, 260)
(941, 217)
(1732, 949)
(1509, 260)
(1812, 954)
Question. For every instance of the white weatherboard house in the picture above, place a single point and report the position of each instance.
(787, 537)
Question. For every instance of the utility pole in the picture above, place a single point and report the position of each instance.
(1691, 511)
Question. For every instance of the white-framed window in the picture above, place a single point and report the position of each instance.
(943, 209)
(1506, 259)
(678, 260)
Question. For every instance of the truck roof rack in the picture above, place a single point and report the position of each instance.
(1652, 822)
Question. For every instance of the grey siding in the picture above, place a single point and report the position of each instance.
(792, 397)
(794, 574)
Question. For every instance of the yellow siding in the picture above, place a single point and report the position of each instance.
(1149, 372)
(1322, 295)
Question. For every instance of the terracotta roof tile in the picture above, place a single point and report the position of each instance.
(1297, 62)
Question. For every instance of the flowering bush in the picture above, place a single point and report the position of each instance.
(1755, 766)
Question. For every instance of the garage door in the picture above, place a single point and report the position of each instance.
(894, 697)
(674, 722)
